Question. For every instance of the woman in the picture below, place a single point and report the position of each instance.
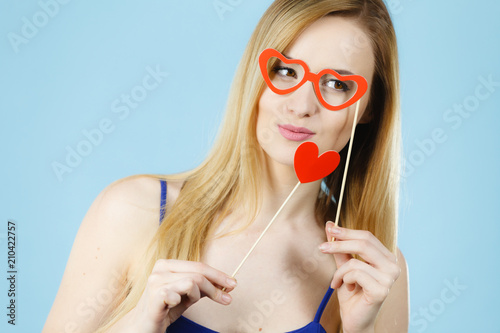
(126, 274)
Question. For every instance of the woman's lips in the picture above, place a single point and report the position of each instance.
(293, 133)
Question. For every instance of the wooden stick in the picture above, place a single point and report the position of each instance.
(344, 177)
(264, 231)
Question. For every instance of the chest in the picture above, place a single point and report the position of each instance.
(280, 286)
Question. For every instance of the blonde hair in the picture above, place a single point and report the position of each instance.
(232, 170)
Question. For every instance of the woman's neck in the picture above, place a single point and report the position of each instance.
(278, 182)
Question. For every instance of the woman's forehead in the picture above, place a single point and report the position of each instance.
(334, 42)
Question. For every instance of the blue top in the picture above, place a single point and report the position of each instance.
(185, 325)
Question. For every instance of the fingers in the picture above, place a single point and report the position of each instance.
(329, 226)
(340, 258)
(190, 281)
(169, 298)
(366, 236)
(173, 286)
(353, 266)
(364, 244)
(374, 292)
(180, 266)
(195, 286)
(374, 274)
(360, 247)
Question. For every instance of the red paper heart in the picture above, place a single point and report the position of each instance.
(310, 167)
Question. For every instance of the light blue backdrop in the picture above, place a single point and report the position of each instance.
(63, 75)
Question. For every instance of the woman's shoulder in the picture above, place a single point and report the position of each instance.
(139, 190)
(133, 202)
(126, 214)
(115, 231)
(139, 194)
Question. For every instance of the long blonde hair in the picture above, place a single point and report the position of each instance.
(232, 170)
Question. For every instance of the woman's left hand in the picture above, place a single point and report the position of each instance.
(362, 286)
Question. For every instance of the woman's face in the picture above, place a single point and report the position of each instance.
(285, 121)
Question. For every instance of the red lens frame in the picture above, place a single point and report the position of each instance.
(314, 78)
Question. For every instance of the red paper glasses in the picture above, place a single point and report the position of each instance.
(333, 90)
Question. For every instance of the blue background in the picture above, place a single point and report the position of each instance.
(65, 78)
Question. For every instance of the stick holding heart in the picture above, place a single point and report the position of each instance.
(310, 167)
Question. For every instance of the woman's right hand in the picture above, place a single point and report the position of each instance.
(175, 285)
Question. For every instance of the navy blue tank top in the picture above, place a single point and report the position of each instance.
(185, 325)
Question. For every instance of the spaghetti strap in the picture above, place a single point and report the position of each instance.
(323, 304)
(163, 198)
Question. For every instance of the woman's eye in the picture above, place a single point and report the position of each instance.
(285, 71)
(337, 85)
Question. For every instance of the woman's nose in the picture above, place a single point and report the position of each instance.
(303, 101)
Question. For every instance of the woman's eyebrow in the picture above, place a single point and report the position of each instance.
(343, 71)
(340, 71)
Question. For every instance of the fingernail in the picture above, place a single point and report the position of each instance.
(231, 282)
(323, 247)
(335, 231)
(226, 298)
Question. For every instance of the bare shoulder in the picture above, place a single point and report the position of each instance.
(139, 191)
(119, 224)
(129, 207)
(394, 314)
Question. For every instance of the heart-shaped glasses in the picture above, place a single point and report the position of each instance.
(333, 90)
